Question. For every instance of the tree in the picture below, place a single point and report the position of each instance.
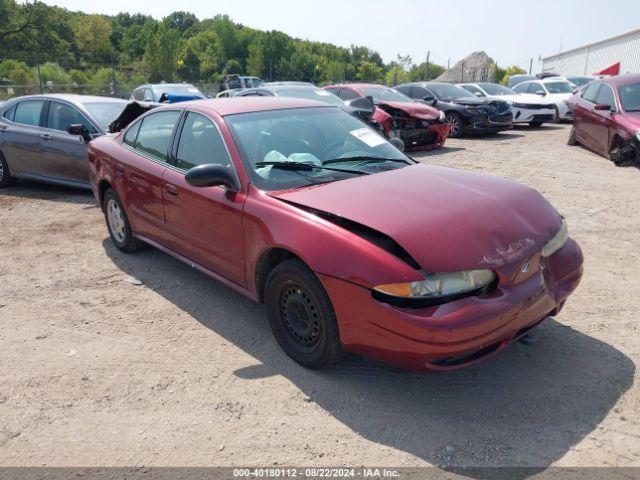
(93, 35)
(161, 54)
(181, 21)
(17, 72)
(502, 74)
(369, 72)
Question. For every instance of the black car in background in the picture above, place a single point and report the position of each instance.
(465, 112)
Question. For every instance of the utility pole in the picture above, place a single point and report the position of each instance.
(38, 71)
(530, 65)
(114, 85)
(448, 63)
(426, 67)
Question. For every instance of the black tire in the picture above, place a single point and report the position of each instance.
(301, 316)
(457, 127)
(615, 155)
(572, 137)
(535, 124)
(119, 229)
(6, 180)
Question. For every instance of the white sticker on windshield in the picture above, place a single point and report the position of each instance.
(367, 136)
(322, 93)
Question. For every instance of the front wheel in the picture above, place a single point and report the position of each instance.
(118, 223)
(456, 128)
(535, 124)
(301, 316)
(6, 180)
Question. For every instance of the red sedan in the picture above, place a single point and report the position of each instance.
(606, 118)
(351, 245)
(419, 126)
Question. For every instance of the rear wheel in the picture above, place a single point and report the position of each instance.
(301, 316)
(456, 127)
(118, 223)
(6, 180)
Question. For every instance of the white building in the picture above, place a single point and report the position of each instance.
(593, 58)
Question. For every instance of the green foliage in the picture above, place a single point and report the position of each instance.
(16, 73)
(502, 74)
(161, 54)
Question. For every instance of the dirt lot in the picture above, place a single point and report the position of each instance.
(183, 371)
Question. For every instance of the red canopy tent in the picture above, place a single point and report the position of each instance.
(610, 70)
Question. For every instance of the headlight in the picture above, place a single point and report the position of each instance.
(557, 242)
(439, 287)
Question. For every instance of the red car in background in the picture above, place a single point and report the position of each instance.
(419, 126)
(350, 244)
(606, 118)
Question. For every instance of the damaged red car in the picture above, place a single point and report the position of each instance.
(420, 127)
(351, 245)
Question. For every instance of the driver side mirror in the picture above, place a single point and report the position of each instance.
(430, 99)
(396, 142)
(542, 93)
(603, 107)
(362, 102)
(478, 94)
(212, 175)
(80, 130)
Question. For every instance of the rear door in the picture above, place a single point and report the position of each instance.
(584, 116)
(65, 155)
(602, 119)
(205, 223)
(147, 142)
(20, 135)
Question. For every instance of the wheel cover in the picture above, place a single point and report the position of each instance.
(116, 220)
(454, 125)
(301, 317)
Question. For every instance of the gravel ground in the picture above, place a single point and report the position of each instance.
(98, 371)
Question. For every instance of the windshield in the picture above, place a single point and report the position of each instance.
(105, 112)
(313, 136)
(185, 89)
(558, 87)
(448, 92)
(384, 94)
(630, 97)
(495, 89)
(312, 94)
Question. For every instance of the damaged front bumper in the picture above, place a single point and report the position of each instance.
(628, 152)
(427, 137)
(463, 332)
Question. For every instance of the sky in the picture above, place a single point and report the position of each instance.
(511, 32)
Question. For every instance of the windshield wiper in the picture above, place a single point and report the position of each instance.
(365, 159)
(307, 166)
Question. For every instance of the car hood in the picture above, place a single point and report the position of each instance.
(446, 219)
(415, 109)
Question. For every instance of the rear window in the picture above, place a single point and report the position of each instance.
(155, 133)
(9, 113)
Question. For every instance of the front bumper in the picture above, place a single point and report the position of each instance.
(527, 115)
(489, 124)
(422, 138)
(459, 333)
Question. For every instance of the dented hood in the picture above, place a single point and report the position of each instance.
(446, 219)
(415, 109)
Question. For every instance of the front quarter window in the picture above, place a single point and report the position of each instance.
(155, 133)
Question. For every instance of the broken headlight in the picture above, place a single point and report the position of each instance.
(557, 241)
(442, 117)
(437, 288)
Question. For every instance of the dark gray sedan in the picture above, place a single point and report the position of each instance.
(44, 137)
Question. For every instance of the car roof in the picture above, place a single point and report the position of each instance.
(225, 106)
(622, 79)
(72, 98)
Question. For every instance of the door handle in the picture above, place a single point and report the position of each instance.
(171, 190)
(45, 136)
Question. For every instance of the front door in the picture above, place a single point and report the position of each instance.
(602, 120)
(205, 222)
(20, 138)
(65, 154)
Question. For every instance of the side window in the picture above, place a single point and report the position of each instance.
(521, 88)
(536, 88)
(9, 113)
(148, 95)
(406, 90)
(61, 115)
(589, 93)
(154, 135)
(475, 90)
(605, 96)
(132, 133)
(347, 94)
(200, 143)
(138, 94)
(333, 90)
(28, 112)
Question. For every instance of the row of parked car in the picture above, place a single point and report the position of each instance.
(351, 245)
